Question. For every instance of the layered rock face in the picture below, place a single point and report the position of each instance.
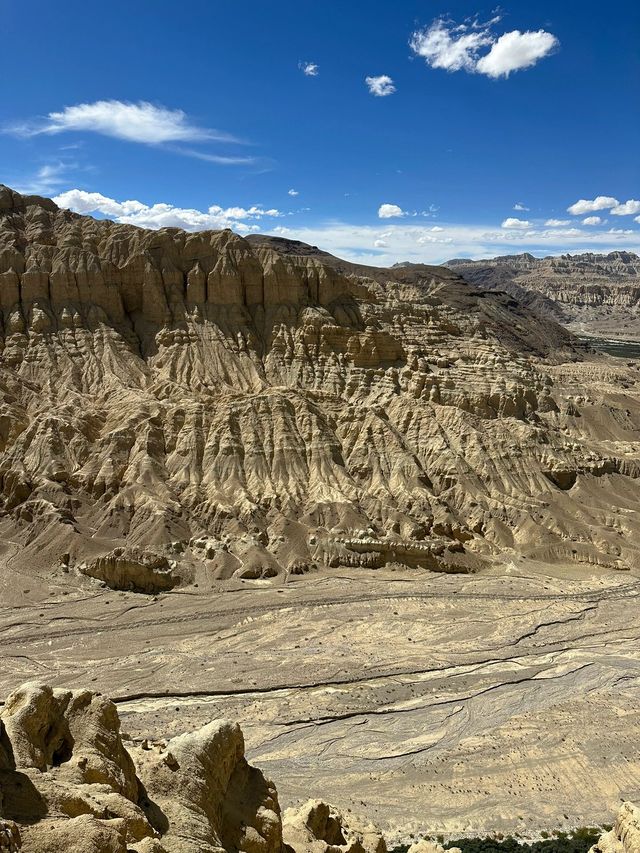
(216, 407)
(67, 782)
(590, 293)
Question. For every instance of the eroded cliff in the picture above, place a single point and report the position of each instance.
(213, 407)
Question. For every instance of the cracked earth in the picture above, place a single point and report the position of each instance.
(507, 701)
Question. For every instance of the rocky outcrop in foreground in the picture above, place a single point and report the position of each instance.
(625, 835)
(69, 783)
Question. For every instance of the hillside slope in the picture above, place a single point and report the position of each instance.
(212, 407)
(589, 293)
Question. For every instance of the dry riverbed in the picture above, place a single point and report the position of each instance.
(461, 705)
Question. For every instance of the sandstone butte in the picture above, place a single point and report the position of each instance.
(184, 407)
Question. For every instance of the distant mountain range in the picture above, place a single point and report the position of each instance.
(589, 293)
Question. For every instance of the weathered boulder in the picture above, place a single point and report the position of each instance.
(317, 827)
(134, 570)
(211, 797)
(625, 835)
(67, 783)
(74, 733)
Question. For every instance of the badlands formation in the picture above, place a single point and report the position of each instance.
(386, 519)
(590, 294)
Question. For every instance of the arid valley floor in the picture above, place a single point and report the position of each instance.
(506, 701)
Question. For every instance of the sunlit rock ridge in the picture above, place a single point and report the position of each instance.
(178, 406)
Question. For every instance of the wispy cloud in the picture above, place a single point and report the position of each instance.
(380, 86)
(134, 122)
(520, 206)
(141, 122)
(161, 215)
(310, 69)
(463, 47)
(46, 180)
(293, 192)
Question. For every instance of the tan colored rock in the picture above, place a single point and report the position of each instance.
(83, 834)
(67, 783)
(427, 846)
(625, 835)
(10, 838)
(317, 827)
(589, 293)
(75, 732)
(157, 386)
(210, 796)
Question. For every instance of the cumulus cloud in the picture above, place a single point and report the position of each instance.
(626, 208)
(310, 69)
(592, 220)
(380, 86)
(556, 223)
(520, 206)
(389, 211)
(584, 205)
(293, 192)
(160, 215)
(514, 51)
(134, 122)
(443, 44)
(407, 241)
(512, 222)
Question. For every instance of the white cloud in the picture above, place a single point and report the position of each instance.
(309, 68)
(520, 206)
(47, 179)
(627, 208)
(380, 86)
(293, 192)
(442, 45)
(134, 122)
(637, 219)
(405, 240)
(514, 51)
(592, 220)
(556, 223)
(452, 47)
(512, 222)
(418, 244)
(389, 211)
(162, 215)
(584, 205)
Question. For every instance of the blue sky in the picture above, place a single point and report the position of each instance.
(476, 132)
